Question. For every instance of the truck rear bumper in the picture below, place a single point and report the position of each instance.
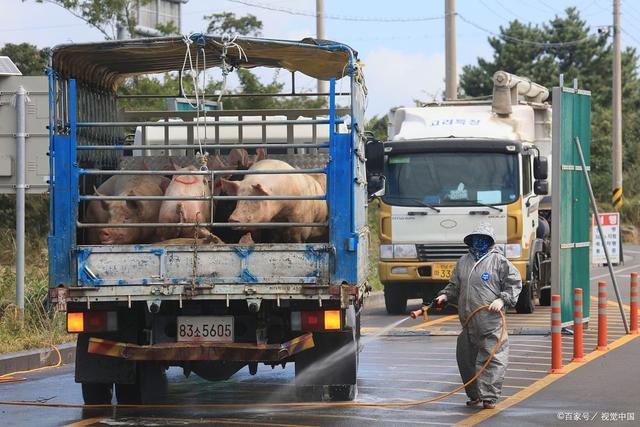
(236, 352)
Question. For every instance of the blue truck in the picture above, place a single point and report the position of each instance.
(211, 309)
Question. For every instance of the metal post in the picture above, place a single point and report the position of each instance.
(616, 151)
(594, 206)
(451, 78)
(21, 120)
(322, 85)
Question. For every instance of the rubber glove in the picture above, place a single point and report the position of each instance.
(441, 299)
(496, 305)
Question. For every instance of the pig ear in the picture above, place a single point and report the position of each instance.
(261, 154)
(174, 165)
(230, 187)
(164, 184)
(104, 203)
(258, 188)
(133, 204)
(216, 163)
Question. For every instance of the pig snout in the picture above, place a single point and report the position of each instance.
(106, 237)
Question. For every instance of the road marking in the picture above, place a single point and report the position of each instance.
(435, 321)
(542, 383)
(616, 271)
(87, 422)
(404, 380)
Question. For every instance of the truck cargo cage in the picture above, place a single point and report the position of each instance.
(91, 140)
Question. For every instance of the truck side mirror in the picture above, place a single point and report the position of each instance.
(541, 187)
(540, 168)
(375, 186)
(374, 153)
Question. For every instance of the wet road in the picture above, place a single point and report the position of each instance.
(412, 362)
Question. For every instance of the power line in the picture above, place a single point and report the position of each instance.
(630, 35)
(298, 12)
(524, 41)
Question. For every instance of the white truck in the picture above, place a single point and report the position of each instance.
(452, 165)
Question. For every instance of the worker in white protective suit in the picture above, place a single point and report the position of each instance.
(484, 276)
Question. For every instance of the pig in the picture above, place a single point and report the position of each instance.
(181, 211)
(261, 211)
(125, 211)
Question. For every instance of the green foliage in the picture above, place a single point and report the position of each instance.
(228, 23)
(378, 126)
(30, 60)
(590, 62)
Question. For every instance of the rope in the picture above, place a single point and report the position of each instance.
(290, 404)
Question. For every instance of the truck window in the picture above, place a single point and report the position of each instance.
(527, 185)
(450, 179)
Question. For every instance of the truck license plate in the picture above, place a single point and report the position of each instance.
(442, 271)
(205, 329)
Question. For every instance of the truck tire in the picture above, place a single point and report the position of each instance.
(525, 304)
(150, 386)
(97, 393)
(545, 296)
(395, 301)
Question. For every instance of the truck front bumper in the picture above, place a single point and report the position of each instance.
(408, 271)
(182, 351)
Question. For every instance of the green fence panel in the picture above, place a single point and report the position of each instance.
(570, 199)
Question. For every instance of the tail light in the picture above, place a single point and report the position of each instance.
(92, 321)
(316, 320)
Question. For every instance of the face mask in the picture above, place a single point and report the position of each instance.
(480, 246)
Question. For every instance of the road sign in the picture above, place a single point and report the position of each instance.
(611, 229)
(570, 221)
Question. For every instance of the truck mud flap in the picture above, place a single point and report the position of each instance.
(238, 352)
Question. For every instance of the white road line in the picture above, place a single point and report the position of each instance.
(616, 271)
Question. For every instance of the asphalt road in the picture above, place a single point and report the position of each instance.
(414, 361)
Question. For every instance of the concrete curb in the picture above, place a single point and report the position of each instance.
(375, 297)
(37, 358)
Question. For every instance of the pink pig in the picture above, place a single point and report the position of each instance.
(183, 211)
(125, 211)
(260, 211)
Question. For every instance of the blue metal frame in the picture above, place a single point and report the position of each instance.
(341, 192)
(65, 195)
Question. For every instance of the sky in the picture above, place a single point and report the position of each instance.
(403, 60)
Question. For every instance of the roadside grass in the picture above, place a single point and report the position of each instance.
(41, 325)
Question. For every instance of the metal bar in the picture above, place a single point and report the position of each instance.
(236, 95)
(20, 195)
(202, 224)
(204, 146)
(221, 123)
(202, 197)
(218, 172)
(594, 206)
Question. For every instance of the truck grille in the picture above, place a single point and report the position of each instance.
(441, 252)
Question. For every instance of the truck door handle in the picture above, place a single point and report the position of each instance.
(414, 213)
(479, 212)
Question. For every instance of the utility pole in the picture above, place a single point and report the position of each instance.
(616, 152)
(451, 78)
(21, 133)
(322, 85)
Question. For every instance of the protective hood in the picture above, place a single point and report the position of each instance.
(483, 229)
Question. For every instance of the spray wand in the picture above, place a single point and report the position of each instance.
(426, 307)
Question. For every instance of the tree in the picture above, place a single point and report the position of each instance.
(545, 56)
(228, 23)
(108, 15)
(30, 60)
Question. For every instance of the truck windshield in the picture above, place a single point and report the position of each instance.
(450, 179)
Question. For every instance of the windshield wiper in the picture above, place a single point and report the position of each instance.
(425, 204)
(475, 202)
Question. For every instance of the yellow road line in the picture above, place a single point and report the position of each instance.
(435, 321)
(540, 384)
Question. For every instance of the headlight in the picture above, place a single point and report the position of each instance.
(513, 250)
(404, 251)
(386, 251)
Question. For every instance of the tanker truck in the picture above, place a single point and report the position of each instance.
(452, 165)
(209, 306)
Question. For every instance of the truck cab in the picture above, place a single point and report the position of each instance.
(449, 167)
